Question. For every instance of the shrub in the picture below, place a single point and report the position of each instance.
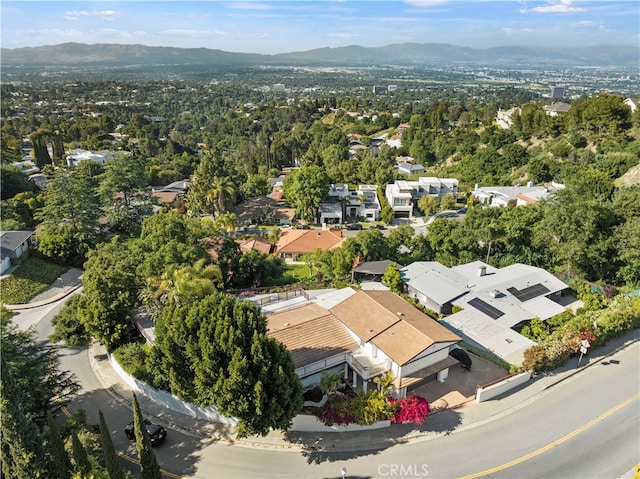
(362, 409)
(68, 328)
(134, 359)
(535, 359)
(413, 408)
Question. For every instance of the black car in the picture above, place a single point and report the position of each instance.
(354, 226)
(156, 432)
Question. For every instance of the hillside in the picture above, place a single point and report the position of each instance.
(111, 55)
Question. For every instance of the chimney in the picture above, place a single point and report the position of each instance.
(482, 270)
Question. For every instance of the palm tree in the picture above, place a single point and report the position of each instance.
(227, 221)
(220, 192)
(186, 283)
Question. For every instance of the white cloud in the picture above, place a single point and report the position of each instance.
(248, 6)
(107, 15)
(82, 13)
(563, 6)
(425, 3)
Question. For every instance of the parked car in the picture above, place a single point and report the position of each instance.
(354, 226)
(462, 210)
(156, 432)
(304, 227)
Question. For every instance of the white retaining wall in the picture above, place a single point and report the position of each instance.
(169, 401)
(302, 422)
(307, 423)
(486, 393)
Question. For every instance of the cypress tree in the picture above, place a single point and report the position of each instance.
(149, 468)
(59, 463)
(80, 457)
(113, 466)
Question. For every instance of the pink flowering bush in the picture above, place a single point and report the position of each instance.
(413, 408)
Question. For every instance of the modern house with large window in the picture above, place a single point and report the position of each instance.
(403, 195)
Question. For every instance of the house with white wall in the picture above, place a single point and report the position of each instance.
(403, 195)
(492, 301)
(363, 334)
(13, 244)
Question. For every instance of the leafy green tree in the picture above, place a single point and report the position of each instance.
(13, 181)
(428, 204)
(21, 448)
(123, 192)
(304, 189)
(372, 245)
(67, 328)
(393, 279)
(69, 217)
(399, 242)
(255, 186)
(110, 291)
(216, 351)
(447, 202)
(149, 468)
(35, 369)
(627, 240)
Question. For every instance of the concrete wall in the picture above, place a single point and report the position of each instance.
(489, 392)
(304, 422)
(169, 401)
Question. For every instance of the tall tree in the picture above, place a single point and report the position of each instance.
(122, 188)
(216, 351)
(111, 459)
(110, 291)
(80, 456)
(304, 189)
(60, 465)
(71, 212)
(21, 449)
(149, 468)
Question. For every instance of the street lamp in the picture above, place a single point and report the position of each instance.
(343, 471)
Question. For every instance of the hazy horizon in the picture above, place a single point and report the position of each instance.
(281, 26)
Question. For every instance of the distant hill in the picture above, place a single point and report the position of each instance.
(116, 55)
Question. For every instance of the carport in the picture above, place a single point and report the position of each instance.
(371, 270)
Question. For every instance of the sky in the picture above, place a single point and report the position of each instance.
(282, 26)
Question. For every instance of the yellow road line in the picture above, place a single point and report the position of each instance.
(554, 443)
(132, 459)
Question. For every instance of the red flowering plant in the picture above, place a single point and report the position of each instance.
(413, 408)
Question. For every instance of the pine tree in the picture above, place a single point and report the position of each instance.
(149, 468)
(59, 463)
(111, 459)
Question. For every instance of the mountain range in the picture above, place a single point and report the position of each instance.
(117, 55)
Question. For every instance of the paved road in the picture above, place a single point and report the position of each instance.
(608, 449)
(587, 426)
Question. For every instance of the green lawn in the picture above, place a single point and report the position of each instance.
(300, 271)
(32, 277)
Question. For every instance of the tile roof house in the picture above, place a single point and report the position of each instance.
(493, 300)
(256, 243)
(364, 334)
(295, 243)
(13, 244)
(556, 108)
